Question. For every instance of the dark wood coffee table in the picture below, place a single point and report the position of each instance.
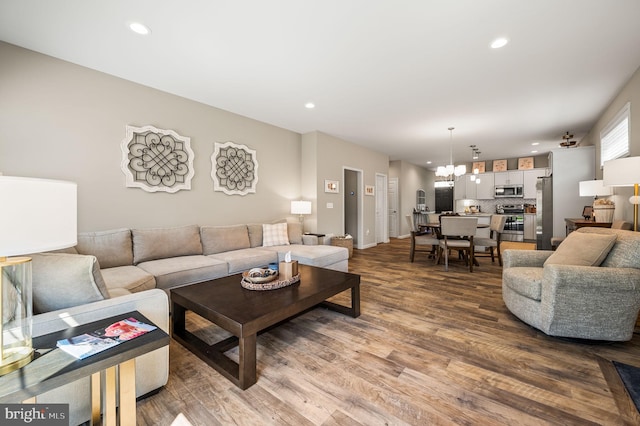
(244, 313)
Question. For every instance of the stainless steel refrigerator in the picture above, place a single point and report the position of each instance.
(544, 212)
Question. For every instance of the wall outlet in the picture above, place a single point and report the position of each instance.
(329, 205)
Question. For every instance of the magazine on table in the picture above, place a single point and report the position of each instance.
(88, 344)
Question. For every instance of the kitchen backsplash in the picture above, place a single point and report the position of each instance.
(489, 206)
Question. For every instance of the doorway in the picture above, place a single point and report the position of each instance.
(352, 204)
(382, 222)
(393, 207)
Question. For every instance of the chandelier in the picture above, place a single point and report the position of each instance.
(451, 172)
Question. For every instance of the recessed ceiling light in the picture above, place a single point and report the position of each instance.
(139, 28)
(535, 143)
(309, 105)
(534, 151)
(428, 162)
(499, 42)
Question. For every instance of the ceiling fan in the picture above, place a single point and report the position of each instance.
(567, 142)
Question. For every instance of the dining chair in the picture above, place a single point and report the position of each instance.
(496, 227)
(421, 240)
(457, 234)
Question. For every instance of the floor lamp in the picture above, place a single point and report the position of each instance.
(37, 215)
(624, 172)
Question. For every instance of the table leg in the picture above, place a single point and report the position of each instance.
(127, 394)
(247, 361)
(95, 398)
(110, 397)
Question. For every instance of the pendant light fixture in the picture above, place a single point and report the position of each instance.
(451, 172)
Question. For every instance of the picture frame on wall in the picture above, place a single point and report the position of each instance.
(369, 190)
(331, 186)
(499, 165)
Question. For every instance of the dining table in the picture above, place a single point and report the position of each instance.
(434, 227)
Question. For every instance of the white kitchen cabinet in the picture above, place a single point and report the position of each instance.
(529, 226)
(485, 189)
(512, 177)
(464, 188)
(471, 188)
(530, 178)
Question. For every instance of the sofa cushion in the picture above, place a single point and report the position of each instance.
(183, 270)
(274, 234)
(245, 259)
(294, 229)
(64, 280)
(255, 234)
(524, 280)
(129, 278)
(161, 243)
(581, 249)
(112, 248)
(320, 255)
(218, 239)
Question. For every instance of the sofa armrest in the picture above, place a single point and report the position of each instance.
(309, 240)
(525, 258)
(154, 304)
(585, 280)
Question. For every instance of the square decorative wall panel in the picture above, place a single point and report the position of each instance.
(234, 169)
(156, 160)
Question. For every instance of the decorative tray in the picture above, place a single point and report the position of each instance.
(269, 285)
(259, 275)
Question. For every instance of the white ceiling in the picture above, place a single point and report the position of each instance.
(388, 75)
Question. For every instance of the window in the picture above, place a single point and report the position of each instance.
(614, 138)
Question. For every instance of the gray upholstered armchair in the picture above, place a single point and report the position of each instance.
(565, 296)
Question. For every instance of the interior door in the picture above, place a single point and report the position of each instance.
(382, 230)
(393, 207)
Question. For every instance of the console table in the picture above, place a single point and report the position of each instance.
(52, 368)
(573, 224)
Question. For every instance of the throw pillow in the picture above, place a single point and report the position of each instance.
(275, 235)
(65, 280)
(112, 248)
(582, 250)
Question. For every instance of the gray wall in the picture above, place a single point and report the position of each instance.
(330, 156)
(410, 179)
(62, 121)
(629, 93)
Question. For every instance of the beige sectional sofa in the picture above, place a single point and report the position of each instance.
(117, 271)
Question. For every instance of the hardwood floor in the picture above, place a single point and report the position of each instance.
(430, 348)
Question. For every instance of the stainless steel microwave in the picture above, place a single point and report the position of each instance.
(509, 191)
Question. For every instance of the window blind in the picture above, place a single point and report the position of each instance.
(614, 138)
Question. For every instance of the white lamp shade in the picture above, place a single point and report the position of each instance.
(622, 172)
(37, 215)
(592, 188)
(301, 207)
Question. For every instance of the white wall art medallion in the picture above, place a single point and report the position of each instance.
(156, 159)
(234, 169)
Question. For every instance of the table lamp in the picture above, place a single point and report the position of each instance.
(624, 172)
(37, 215)
(594, 188)
(301, 208)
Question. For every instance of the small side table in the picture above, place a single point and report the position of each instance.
(343, 242)
(52, 367)
(573, 224)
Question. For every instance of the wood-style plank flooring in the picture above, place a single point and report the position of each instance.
(430, 348)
